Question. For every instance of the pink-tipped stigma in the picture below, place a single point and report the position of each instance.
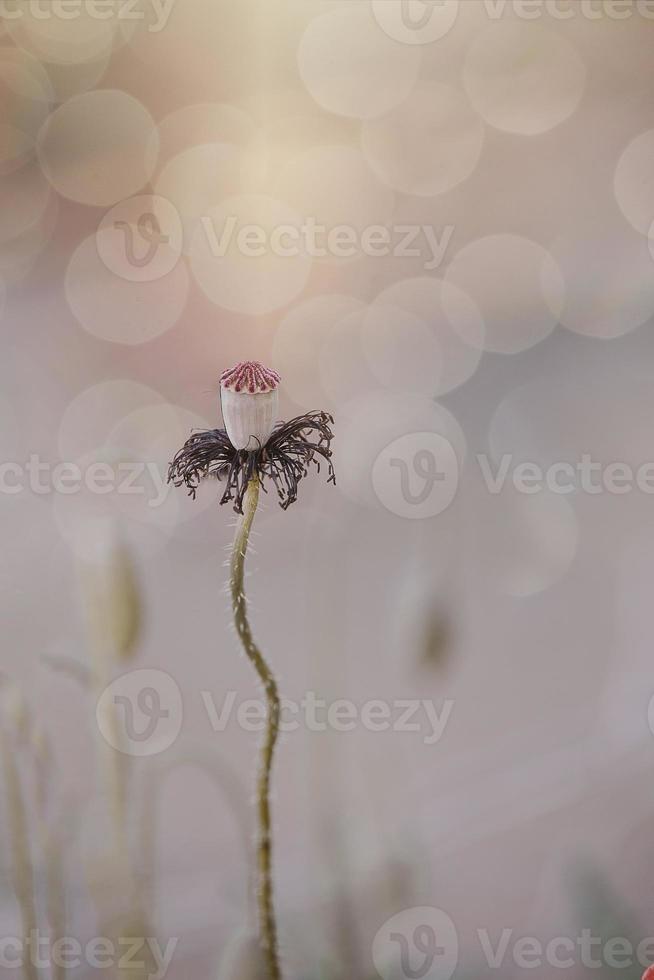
(250, 376)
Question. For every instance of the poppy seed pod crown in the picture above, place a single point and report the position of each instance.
(254, 445)
(249, 402)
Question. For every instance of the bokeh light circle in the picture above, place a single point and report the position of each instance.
(451, 315)
(427, 145)
(351, 67)
(199, 179)
(249, 255)
(24, 198)
(202, 124)
(414, 21)
(299, 340)
(522, 78)
(403, 352)
(517, 286)
(94, 412)
(634, 182)
(26, 95)
(609, 277)
(78, 36)
(140, 239)
(114, 308)
(97, 147)
(69, 80)
(333, 187)
(121, 435)
(18, 254)
(372, 422)
(345, 370)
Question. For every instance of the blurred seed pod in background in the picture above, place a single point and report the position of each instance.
(110, 593)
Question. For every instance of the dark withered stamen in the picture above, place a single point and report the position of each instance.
(285, 459)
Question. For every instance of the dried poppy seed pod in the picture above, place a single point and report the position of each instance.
(249, 400)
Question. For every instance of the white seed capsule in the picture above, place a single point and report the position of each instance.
(249, 401)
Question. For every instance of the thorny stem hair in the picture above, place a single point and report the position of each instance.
(267, 924)
(285, 459)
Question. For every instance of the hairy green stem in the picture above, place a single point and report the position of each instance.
(267, 925)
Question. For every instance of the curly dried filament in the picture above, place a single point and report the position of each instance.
(267, 922)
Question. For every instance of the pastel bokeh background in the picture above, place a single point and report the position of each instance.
(509, 150)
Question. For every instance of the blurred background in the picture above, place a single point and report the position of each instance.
(434, 220)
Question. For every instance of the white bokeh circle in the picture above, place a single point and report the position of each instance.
(24, 198)
(299, 340)
(140, 239)
(609, 277)
(633, 183)
(200, 178)
(345, 370)
(373, 421)
(416, 476)
(522, 78)
(18, 254)
(245, 275)
(75, 78)
(94, 412)
(206, 123)
(402, 350)
(78, 36)
(351, 67)
(517, 287)
(416, 21)
(111, 307)
(428, 144)
(121, 437)
(453, 318)
(26, 95)
(97, 148)
(333, 187)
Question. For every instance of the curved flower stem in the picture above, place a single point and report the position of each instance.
(267, 923)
